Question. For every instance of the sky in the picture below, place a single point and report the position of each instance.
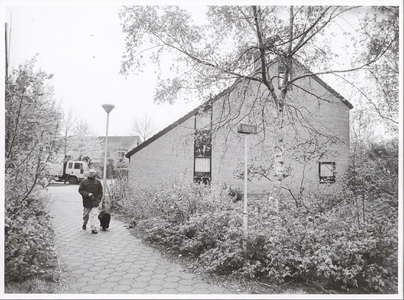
(82, 43)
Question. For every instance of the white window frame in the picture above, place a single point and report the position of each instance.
(281, 73)
(326, 171)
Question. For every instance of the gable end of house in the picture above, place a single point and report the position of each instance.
(218, 96)
(324, 84)
(162, 132)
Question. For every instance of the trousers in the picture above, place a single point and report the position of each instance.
(90, 214)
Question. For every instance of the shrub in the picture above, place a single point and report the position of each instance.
(324, 240)
(332, 247)
(207, 231)
(28, 239)
(32, 120)
(173, 199)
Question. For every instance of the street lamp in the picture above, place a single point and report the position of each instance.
(108, 108)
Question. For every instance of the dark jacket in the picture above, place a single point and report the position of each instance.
(91, 186)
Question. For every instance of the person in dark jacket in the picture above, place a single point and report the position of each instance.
(91, 190)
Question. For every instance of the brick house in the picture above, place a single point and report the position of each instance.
(204, 145)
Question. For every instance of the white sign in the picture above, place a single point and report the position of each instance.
(247, 129)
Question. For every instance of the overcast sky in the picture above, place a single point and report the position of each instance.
(82, 43)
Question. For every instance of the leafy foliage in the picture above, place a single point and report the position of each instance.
(380, 27)
(321, 242)
(32, 121)
(375, 173)
(206, 59)
(28, 249)
(230, 46)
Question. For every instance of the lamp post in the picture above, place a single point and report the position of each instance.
(108, 108)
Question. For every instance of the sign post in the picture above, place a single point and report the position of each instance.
(246, 130)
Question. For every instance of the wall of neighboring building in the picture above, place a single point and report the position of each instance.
(166, 157)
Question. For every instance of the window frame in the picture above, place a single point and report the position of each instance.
(281, 73)
(323, 178)
(202, 131)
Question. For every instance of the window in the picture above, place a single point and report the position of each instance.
(203, 146)
(281, 74)
(202, 165)
(327, 172)
(202, 170)
(77, 166)
(203, 143)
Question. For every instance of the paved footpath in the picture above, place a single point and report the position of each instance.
(113, 261)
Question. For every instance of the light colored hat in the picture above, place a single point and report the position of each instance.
(92, 171)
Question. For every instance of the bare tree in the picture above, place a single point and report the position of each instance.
(143, 127)
(69, 121)
(79, 136)
(85, 141)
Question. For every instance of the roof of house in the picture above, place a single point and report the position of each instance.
(218, 96)
(165, 130)
(325, 85)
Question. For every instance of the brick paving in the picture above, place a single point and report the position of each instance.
(113, 261)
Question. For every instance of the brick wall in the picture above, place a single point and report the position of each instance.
(325, 114)
(168, 156)
(172, 153)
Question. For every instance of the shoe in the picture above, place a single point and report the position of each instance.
(94, 231)
(84, 227)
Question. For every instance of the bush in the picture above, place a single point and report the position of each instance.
(28, 239)
(30, 139)
(173, 199)
(330, 246)
(324, 241)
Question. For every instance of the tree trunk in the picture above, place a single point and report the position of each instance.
(279, 148)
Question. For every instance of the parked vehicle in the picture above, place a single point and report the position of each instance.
(72, 171)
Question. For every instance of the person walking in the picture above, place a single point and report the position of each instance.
(91, 190)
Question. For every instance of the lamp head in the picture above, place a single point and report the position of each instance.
(108, 107)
